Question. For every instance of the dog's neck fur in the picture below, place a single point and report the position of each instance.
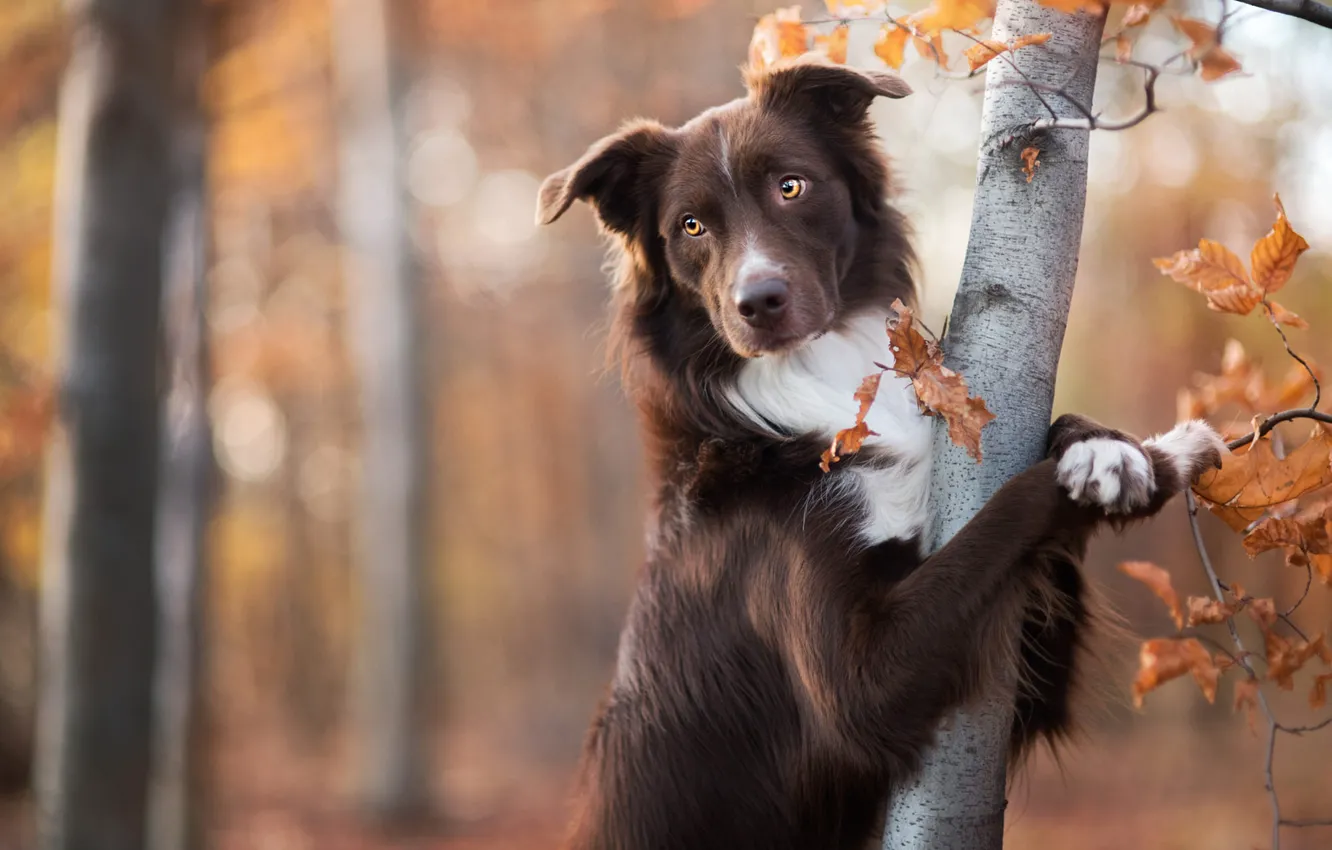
(708, 412)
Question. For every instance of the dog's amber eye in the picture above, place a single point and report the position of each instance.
(791, 187)
(692, 226)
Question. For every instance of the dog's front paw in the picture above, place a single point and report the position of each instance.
(1189, 449)
(1112, 473)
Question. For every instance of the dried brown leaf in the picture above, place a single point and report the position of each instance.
(939, 390)
(849, 440)
(1274, 256)
(1137, 15)
(1029, 161)
(1285, 656)
(1123, 48)
(1158, 581)
(1163, 659)
(891, 46)
(778, 35)
(1215, 271)
(1205, 611)
(982, 52)
(1305, 536)
(1262, 611)
(1213, 60)
(965, 15)
(1282, 316)
(833, 45)
(1253, 480)
(1318, 693)
(1246, 698)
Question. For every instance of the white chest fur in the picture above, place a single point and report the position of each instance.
(810, 390)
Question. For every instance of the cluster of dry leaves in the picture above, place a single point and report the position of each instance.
(939, 391)
(1216, 272)
(783, 33)
(1277, 497)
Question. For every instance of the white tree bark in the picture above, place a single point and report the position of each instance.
(383, 309)
(98, 594)
(1005, 334)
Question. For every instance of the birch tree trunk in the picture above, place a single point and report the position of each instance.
(383, 310)
(98, 605)
(1005, 334)
(185, 496)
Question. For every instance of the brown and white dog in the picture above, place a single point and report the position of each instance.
(790, 649)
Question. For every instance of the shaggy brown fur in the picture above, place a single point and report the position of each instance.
(778, 675)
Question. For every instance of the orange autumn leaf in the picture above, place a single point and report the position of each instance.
(931, 48)
(1213, 61)
(1297, 384)
(1213, 270)
(1261, 611)
(1244, 385)
(1318, 693)
(983, 51)
(1029, 161)
(1137, 15)
(964, 15)
(1158, 581)
(1282, 316)
(891, 46)
(939, 390)
(1285, 656)
(1123, 48)
(834, 45)
(1246, 698)
(1204, 611)
(1273, 257)
(849, 440)
(1308, 536)
(1253, 480)
(1217, 273)
(854, 8)
(1163, 659)
(778, 35)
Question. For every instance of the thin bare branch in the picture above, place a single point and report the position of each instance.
(1308, 822)
(1300, 730)
(1276, 419)
(1243, 660)
(1090, 121)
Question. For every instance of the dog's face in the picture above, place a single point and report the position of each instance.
(751, 208)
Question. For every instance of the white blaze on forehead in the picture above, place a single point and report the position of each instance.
(726, 158)
(755, 264)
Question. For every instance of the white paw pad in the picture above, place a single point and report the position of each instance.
(1191, 446)
(1112, 474)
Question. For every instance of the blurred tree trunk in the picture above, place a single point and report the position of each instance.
(384, 311)
(185, 495)
(1017, 282)
(99, 614)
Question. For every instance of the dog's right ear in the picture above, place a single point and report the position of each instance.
(615, 176)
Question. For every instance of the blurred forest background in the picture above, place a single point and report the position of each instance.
(357, 331)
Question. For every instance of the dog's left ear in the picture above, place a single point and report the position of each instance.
(811, 80)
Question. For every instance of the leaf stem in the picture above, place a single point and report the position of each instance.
(1318, 389)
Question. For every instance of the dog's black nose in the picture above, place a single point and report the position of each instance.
(762, 303)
